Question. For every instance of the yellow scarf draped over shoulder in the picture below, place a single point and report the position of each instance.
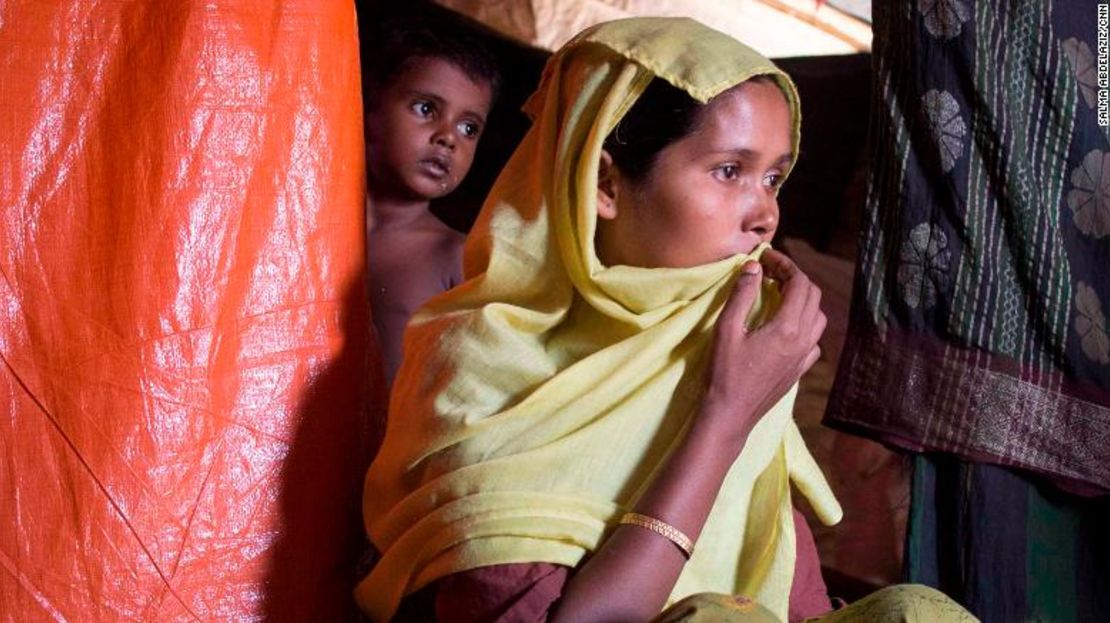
(536, 400)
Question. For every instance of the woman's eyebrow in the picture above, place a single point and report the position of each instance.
(743, 153)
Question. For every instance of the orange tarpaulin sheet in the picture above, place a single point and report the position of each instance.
(185, 378)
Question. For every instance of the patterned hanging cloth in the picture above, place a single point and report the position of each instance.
(982, 289)
(978, 324)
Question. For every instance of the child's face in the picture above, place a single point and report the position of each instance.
(423, 130)
(709, 195)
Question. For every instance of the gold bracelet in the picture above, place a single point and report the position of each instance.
(672, 534)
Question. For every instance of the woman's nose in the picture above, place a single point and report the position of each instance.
(763, 217)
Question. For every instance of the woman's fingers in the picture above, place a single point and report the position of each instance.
(778, 266)
(744, 293)
(819, 325)
(812, 307)
(800, 313)
(811, 359)
(793, 284)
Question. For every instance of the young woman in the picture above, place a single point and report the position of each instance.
(597, 423)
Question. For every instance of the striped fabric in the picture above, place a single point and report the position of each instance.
(1006, 547)
(979, 314)
(978, 330)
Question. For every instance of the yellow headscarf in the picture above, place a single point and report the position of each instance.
(536, 401)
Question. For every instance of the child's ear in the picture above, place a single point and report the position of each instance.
(606, 187)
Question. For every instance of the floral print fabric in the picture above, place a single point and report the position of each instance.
(979, 316)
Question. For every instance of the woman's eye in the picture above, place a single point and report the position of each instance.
(773, 180)
(727, 172)
(470, 129)
(423, 108)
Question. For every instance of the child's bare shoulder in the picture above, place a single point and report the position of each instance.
(425, 254)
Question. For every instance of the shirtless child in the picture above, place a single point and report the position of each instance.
(429, 94)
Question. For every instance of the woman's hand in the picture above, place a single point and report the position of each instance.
(751, 370)
(631, 575)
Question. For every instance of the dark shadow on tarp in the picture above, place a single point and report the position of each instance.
(313, 570)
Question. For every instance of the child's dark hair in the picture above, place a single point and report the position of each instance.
(662, 115)
(390, 47)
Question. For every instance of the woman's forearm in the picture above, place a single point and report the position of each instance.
(630, 577)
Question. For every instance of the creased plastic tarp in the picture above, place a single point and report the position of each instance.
(185, 347)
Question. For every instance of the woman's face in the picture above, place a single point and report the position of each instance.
(709, 195)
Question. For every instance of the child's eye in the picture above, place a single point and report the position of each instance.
(423, 108)
(727, 172)
(470, 129)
